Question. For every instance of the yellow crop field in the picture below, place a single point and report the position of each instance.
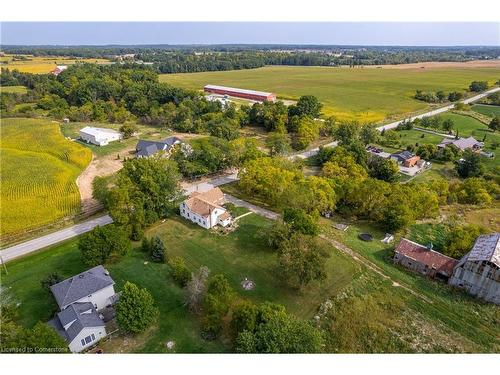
(39, 168)
(42, 64)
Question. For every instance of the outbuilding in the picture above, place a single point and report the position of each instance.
(424, 260)
(259, 96)
(478, 271)
(99, 136)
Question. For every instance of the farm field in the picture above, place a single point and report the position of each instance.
(362, 94)
(488, 110)
(38, 174)
(42, 64)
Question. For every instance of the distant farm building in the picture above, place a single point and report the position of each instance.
(258, 96)
(205, 209)
(59, 69)
(479, 270)
(145, 149)
(424, 260)
(462, 143)
(99, 136)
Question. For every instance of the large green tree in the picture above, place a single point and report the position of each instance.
(102, 244)
(136, 310)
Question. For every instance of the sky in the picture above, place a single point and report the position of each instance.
(332, 33)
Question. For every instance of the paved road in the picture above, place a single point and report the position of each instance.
(24, 248)
(439, 110)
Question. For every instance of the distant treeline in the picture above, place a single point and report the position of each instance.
(180, 59)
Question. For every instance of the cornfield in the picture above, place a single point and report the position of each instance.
(39, 168)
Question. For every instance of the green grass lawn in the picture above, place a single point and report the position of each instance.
(243, 253)
(118, 147)
(488, 110)
(363, 94)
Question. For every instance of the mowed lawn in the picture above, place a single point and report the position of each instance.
(363, 94)
(488, 110)
(240, 254)
(39, 169)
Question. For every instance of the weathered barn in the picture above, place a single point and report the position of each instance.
(424, 260)
(479, 270)
(241, 93)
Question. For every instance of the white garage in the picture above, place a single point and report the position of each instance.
(99, 136)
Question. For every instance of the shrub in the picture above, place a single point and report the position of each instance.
(101, 243)
(51, 279)
(157, 250)
(180, 272)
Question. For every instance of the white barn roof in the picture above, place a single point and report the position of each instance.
(98, 132)
(241, 91)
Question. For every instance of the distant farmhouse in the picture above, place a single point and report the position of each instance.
(258, 96)
(479, 271)
(205, 209)
(405, 158)
(80, 299)
(145, 149)
(463, 144)
(59, 69)
(424, 260)
(99, 136)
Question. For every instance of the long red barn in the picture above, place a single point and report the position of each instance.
(241, 93)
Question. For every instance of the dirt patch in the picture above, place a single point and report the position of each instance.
(101, 166)
(437, 64)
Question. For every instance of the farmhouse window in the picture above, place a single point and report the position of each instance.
(83, 342)
(93, 337)
(88, 339)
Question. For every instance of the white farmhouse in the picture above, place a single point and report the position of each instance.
(205, 209)
(99, 136)
(80, 298)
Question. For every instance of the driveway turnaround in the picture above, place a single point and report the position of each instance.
(434, 112)
(27, 247)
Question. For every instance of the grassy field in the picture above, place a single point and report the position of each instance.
(243, 253)
(488, 110)
(42, 64)
(447, 320)
(38, 174)
(366, 95)
(13, 89)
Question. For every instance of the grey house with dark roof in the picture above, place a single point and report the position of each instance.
(94, 285)
(80, 325)
(145, 149)
(80, 298)
(479, 270)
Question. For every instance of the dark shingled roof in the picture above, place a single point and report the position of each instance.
(71, 290)
(79, 316)
(403, 155)
(146, 148)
